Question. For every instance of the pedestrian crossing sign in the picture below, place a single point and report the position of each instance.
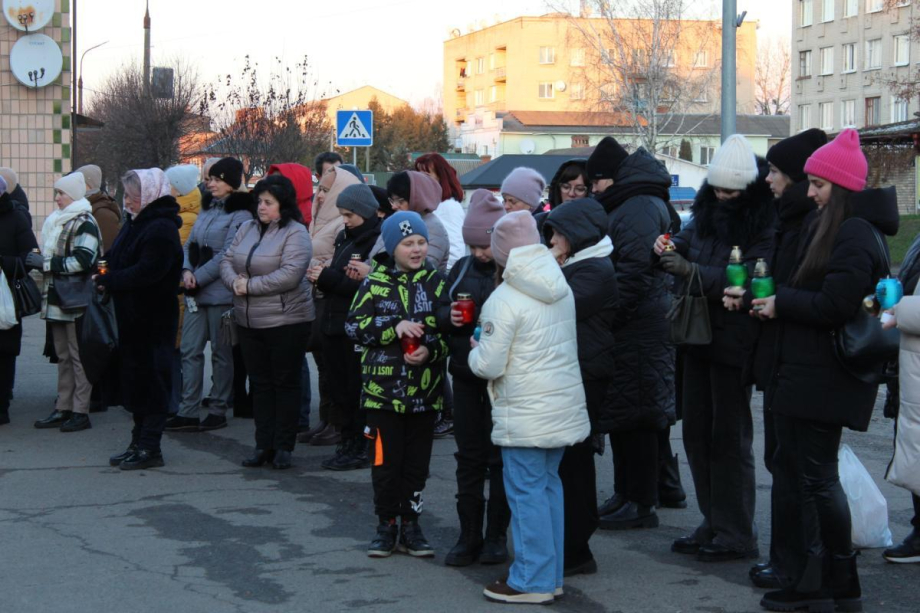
(355, 128)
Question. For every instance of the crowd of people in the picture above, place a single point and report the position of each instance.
(536, 325)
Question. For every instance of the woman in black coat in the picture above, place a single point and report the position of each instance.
(733, 208)
(144, 268)
(813, 396)
(16, 242)
(577, 234)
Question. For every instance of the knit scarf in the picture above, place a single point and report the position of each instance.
(54, 223)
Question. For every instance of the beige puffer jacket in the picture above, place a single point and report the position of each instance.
(327, 223)
(275, 259)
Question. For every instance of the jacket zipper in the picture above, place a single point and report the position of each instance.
(249, 273)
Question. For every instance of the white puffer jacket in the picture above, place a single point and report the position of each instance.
(529, 353)
(904, 469)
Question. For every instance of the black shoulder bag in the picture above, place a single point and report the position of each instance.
(689, 315)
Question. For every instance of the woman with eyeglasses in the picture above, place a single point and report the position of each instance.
(569, 183)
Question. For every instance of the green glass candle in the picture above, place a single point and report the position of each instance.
(762, 285)
(736, 272)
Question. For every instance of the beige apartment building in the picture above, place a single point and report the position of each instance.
(844, 55)
(545, 64)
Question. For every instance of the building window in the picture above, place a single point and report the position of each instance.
(804, 63)
(873, 111)
(903, 3)
(706, 154)
(703, 96)
(480, 65)
(806, 13)
(578, 57)
(874, 6)
(827, 60)
(702, 59)
(579, 140)
(827, 10)
(848, 114)
(480, 97)
(902, 50)
(672, 151)
(899, 110)
(849, 57)
(826, 115)
(671, 60)
(804, 116)
(850, 8)
(873, 55)
(493, 93)
(547, 55)
(545, 90)
(578, 91)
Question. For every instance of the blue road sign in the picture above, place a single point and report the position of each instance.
(354, 128)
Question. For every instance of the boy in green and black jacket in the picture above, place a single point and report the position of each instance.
(393, 318)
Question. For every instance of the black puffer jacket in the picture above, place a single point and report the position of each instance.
(791, 210)
(338, 289)
(590, 275)
(808, 381)
(468, 276)
(16, 241)
(641, 393)
(748, 222)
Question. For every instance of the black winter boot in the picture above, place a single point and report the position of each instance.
(469, 545)
(813, 592)
(845, 581)
(495, 545)
(4, 416)
(671, 493)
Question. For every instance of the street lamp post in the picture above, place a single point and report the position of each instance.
(731, 21)
(80, 80)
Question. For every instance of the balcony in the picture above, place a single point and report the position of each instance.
(461, 85)
(500, 74)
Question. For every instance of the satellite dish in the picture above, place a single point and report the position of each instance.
(36, 60)
(527, 146)
(28, 15)
(455, 33)
(560, 86)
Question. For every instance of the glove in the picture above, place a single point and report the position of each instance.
(676, 264)
(598, 443)
(35, 261)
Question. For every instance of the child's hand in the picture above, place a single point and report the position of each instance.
(357, 270)
(411, 328)
(456, 316)
(418, 358)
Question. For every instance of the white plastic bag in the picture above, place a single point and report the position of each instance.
(868, 507)
(7, 305)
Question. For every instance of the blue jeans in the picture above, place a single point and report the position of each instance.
(306, 397)
(534, 493)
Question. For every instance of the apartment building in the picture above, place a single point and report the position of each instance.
(845, 54)
(544, 64)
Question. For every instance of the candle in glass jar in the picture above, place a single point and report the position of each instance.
(102, 267)
(736, 272)
(467, 307)
(409, 344)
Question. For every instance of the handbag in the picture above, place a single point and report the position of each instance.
(97, 332)
(25, 291)
(74, 291)
(689, 315)
(227, 333)
(862, 347)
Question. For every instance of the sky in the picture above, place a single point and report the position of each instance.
(394, 45)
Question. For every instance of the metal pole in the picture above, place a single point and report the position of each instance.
(73, 111)
(729, 106)
(80, 81)
(354, 157)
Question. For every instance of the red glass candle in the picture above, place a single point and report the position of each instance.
(410, 344)
(467, 307)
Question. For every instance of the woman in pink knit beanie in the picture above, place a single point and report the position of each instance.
(812, 395)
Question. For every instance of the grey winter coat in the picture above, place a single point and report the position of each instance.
(211, 235)
(275, 258)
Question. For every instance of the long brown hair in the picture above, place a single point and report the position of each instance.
(828, 222)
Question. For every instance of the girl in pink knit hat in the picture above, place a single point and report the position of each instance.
(812, 395)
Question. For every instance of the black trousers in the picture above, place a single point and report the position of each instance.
(242, 398)
(476, 455)
(402, 456)
(915, 522)
(345, 375)
(7, 380)
(806, 464)
(146, 382)
(718, 439)
(635, 465)
(274, 359)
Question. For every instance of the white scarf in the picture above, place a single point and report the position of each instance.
(601, 249)
(54, 223)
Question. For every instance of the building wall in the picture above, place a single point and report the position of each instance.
(359, 99)
(858, 84)
(506, 57)
(35, 131)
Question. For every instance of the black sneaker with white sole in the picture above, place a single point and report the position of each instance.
(384, 543)
(413, 542)
(908, 552)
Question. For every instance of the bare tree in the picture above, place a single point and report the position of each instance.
(141, 130)
(902, 82)
(773, 77)
(280, 119)
(633, 49)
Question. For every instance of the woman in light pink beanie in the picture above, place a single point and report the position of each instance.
(516, 229)
(522, 189)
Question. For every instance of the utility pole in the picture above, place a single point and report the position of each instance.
(147, 50)
(731, 21)
(80, 80)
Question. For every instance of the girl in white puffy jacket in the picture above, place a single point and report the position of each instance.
(529, 354)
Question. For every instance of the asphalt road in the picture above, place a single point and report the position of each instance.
(206, 535)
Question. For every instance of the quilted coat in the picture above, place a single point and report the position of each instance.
(528, 352)
(903, 470)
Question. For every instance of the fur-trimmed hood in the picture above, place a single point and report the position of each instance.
(237, 201)
(738, 221)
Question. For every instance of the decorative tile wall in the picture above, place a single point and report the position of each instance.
(35, 130)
